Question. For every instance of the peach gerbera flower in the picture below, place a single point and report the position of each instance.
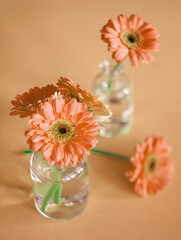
(25, 104)
(63, 131)
(131, 36)
(152, 167)
(68, 89)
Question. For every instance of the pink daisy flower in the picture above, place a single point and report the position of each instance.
(131, 36)
(152, 168)
(63, 131)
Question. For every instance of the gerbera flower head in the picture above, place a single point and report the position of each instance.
(69, 89)
(25, 104)
(63, 131)
(152, 167)
(131, 36)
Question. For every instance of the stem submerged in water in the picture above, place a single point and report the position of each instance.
(55, 190)
(49, 196)
(57, 198)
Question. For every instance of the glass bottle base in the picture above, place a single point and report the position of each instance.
(64, 211)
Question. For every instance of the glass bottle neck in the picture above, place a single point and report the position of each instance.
(111, 67)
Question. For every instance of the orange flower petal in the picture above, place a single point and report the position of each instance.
(121, 54)
(134, 58)
(123, 20)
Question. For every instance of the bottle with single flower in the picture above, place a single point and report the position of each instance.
(126, 37)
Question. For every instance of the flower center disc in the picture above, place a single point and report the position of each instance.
(131, 39)
(61, 131)
(151, 164)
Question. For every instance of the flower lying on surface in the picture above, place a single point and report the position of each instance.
(130, 36)
(68, 89)
(152, 167)
(25, 104)
(63, 131)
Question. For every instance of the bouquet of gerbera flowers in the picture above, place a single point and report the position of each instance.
(62, 122)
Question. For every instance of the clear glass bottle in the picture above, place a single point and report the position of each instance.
(114, 89)
(73, 194)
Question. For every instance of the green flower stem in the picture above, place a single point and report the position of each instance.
(99, 151)
(110, 79)
(49, 196)
(27, 152)
(111, 154)
(57, 198)
(55, 190)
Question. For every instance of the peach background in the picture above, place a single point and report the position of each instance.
(42, 40)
